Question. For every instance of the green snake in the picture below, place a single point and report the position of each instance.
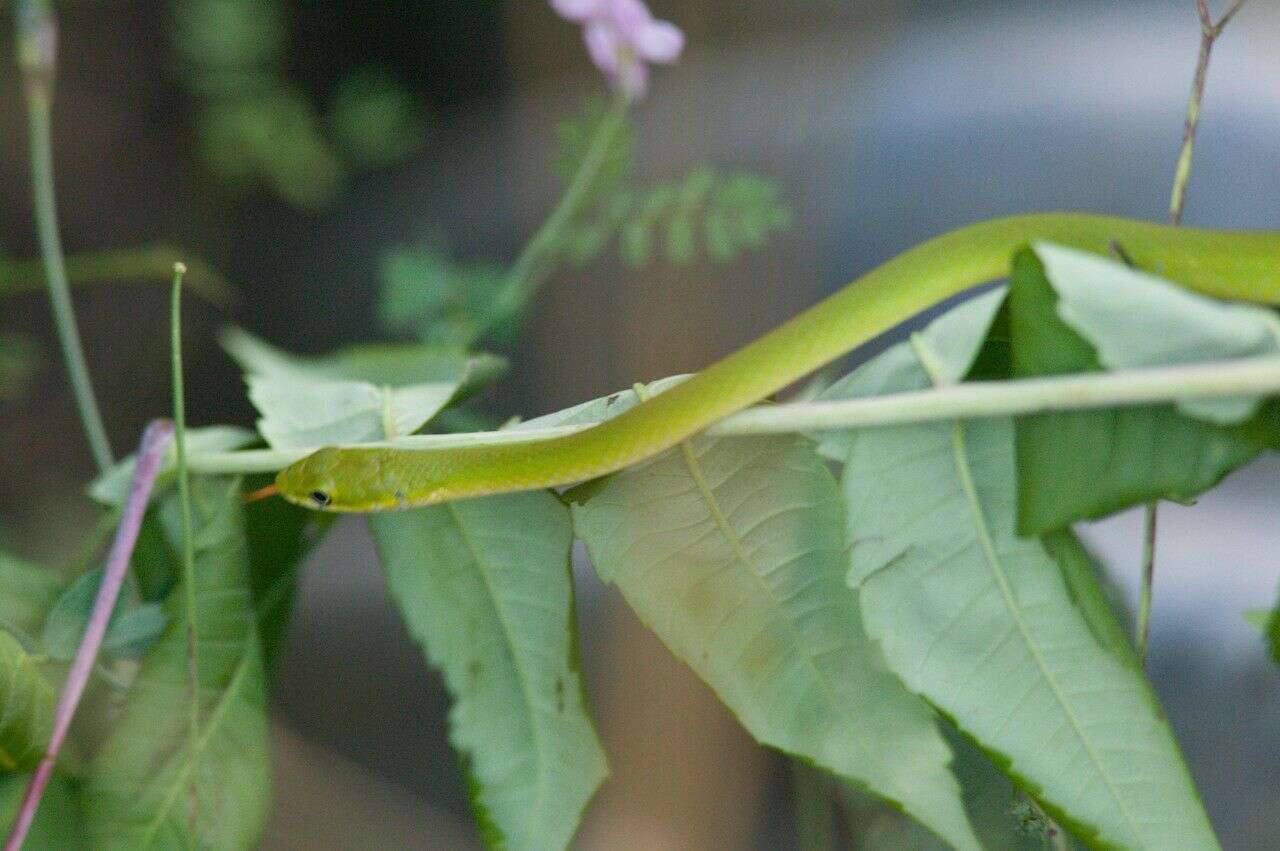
(1242, 265)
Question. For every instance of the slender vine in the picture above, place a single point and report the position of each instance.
(1209, 32)
(37, 50)
(151, 451)
(1258, 376)
(188, 531)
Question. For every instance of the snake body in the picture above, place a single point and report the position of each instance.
(1242, 265)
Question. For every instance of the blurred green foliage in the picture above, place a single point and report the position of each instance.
(439, 300)
(703, 214)
(257, 129)
(19, 360)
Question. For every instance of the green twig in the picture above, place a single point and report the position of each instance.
(1259, 376)
(1143, 629)
(188, 532)
(536, 259)
(145, 263)
(37, 38)
(1209, 32)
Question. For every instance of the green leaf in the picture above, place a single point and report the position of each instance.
(1268, 623)
(134, 630)
(267, 134)
(731, 212)
(981, 623)
(1092, 592)
(956, 338)
(681, 246)
(149, 785)
(359, 396)
(59, 823)
(732, 552)
(603, 408)
(280, 536)
(1258, 619)
(484, 586)
(26, 708)
(443, 301)
(1086, 464)
(1134, 319)
(112, 487)
(29, 592)
(130, 632)
(376, 118)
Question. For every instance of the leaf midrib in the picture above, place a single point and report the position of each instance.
(194, 753)
(961, 459)
(739, 549)
(540, 773)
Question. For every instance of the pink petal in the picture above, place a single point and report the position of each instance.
(579, 10)
(602, 45)
(629, 16)
(658, 41)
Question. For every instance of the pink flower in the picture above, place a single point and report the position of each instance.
(622, 38)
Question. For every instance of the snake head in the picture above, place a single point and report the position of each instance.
(353, 479)
(312, 482)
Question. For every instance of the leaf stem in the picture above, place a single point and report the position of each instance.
(1259, 376)
(119, 265)
(37, 39)
(533, 264)
(155, 441)
(188, 532)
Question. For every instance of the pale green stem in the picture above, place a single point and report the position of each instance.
(970, 400)
(534, 261)
(188, 531)
(124, 265)
(36, 40)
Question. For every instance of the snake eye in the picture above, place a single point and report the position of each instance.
(320, 498)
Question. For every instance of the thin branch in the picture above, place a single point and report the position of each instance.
(1258, 376)
(188, 532)
(530, 267)
(1143, 629)
(1209, 32)
(155, 441)
(37, 40)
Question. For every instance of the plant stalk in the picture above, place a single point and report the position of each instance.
(155, 441)
(1259, 376)
(126, 265)
(534, 261)
(188, 531)
(1209, 32)
(37, 38)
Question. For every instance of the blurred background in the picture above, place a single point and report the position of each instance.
(292, 144)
